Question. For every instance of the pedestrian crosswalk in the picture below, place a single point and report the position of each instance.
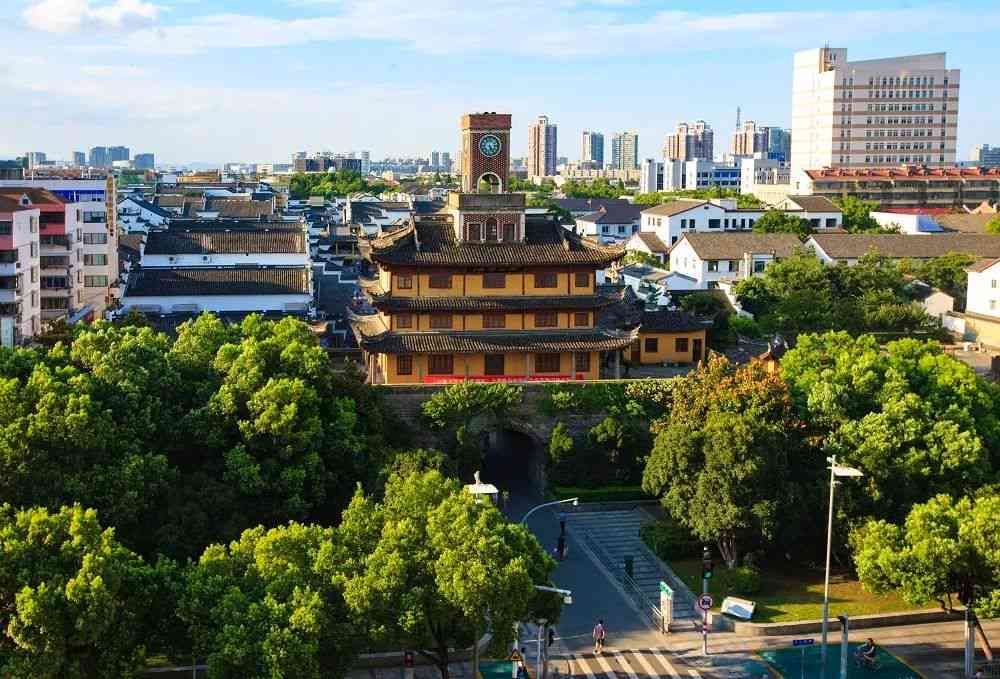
(638, 664)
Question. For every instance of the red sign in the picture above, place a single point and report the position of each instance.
(451, 379)
(408, 659)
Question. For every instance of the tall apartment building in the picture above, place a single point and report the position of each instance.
(435, 159)
(748, 139)
(986, 155)
(100, 157)
(651, 176)
(446, 161)
(593, 149)
(691, 141)
(874, 113)
(35, 159)
(541, 148)
(625, 150)
(79, 158)
(20, 288)
(118, 153)
(144, 161)
(779, 144)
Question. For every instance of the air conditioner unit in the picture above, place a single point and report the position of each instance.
(172, 258)
(206, 258)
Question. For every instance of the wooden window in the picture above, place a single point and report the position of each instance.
(440, 321)
(494, 320)
(495, 281)
(509, 232)
(581, 319)
(583, 279)
(441, 281)
(404, 320)
(492, 234)
(582, 362)
(681, 345)
(546, 280)
(546, 319)
(404, 282)
(475, 232)
(546, 363)
(404, 365)
(652, 345)
(494, 364)
(440, 364)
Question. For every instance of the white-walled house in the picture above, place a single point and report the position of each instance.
(136, 215)
(982, 304)
(649, 243)
(820, 212)
(708, 258)
(670, 221)
(610, 224)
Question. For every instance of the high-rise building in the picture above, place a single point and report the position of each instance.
(542, 148)
(79, 158)
(446, 161)
(100, 156)
(625, 150)
(748, 139)
(779, 144)
(118, 153)
(905, 111)
(691, 141)
(651, 177)
(35, 159)
(986, 155)
(593, 149)
(435, 159)
(366, 162)
(144, 161)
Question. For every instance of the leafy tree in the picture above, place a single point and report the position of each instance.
(945, 545)
(775, 221)
(429, 567)
(857, 214)
(702, 303)
(271, 605)
(597, 188)
(76, 604)
(640, 257)
(722, 456)
(916, 421)
(993, 225)
(947, 273)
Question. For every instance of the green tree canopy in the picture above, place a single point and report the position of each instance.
(429, 567)
(271, 605)
(993, 225)
(857, 214)
(722, 456)
(776, 221)
(76, 604)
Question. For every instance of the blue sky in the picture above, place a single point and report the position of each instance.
(255, 80)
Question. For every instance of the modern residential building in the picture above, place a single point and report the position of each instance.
(11, 169)
(651, 176)
(435, 159)
(542, 148)
(757, 172)
(366, 161)
(748, 140)
(708, 258)
(79, 158)
(593, 149)
(779, 144)
(611, 224)
(20, 287)
(905, 187)
(872, 114)
(985, 155)
(673, 175)
(118, 153)
(144, 161)
(670, 221)
(483, 291)
(445, 161)
(982, 305)
(691, 141)
(100, 156)
(625, 150)
(705, 174)
(36, 159)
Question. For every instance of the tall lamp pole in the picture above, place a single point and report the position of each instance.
(574, 500)
(835, 471)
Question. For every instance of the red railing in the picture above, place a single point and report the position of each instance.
(451, 379)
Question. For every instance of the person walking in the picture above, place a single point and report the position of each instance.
(599, 635)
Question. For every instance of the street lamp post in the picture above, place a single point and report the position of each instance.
(835, 471)
(574, 500)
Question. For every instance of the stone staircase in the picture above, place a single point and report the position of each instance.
(613, 536)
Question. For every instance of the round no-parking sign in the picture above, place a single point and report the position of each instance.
(705, 602)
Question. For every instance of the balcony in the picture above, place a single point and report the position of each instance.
(55, 262)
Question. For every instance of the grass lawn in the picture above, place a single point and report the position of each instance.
(797, 595)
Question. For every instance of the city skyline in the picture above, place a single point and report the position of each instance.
(226, 82)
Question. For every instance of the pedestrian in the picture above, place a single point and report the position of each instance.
(561, 548)
(599, 635)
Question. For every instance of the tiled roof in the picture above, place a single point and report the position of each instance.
(899, 246)
(545, 244)
(243, 241)
(964, 222)
(666, 320)
(11, 204)
(38, 197)
(614, 214)
(713, 246)
(149, 207)
(490, 304)
(230, 207)
(130, 246)
(907, 172)
(653, 242)
(983, 264)
(170, 200)
(589, 204)
(674, 207)
(231, 280)
(814, 203)
(494, 342)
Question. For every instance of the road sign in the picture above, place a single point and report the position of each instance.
(803, 642)
(705, 602)
(515, 655)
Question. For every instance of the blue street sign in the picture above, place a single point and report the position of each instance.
(803, 642)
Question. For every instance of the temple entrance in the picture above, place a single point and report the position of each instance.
(513, 461)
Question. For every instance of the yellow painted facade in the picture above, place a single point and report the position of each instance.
(526, 320)
(474, 366)
(983, 329)
(516, 283)
(666, 350)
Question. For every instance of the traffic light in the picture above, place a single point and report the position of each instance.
(706, 564)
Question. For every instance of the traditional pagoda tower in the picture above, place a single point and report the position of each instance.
(480, 292)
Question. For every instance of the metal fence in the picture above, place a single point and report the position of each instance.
(642, 602)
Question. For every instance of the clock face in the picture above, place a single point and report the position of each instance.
(489, 145)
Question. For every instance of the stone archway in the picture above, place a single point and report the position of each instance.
(489, 182)
(513, 453)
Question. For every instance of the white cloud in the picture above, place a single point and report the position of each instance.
(553, 29)
(70, 16)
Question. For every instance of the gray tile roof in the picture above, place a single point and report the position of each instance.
(902, 246)
(713, 246)
(215, 241)
(232, 280)
(674, 207)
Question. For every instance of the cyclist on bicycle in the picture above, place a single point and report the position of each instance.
(866, 652)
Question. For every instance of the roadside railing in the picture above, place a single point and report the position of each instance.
(634, 592)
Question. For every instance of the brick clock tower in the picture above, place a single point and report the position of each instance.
(490, 215)
(485, 150)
